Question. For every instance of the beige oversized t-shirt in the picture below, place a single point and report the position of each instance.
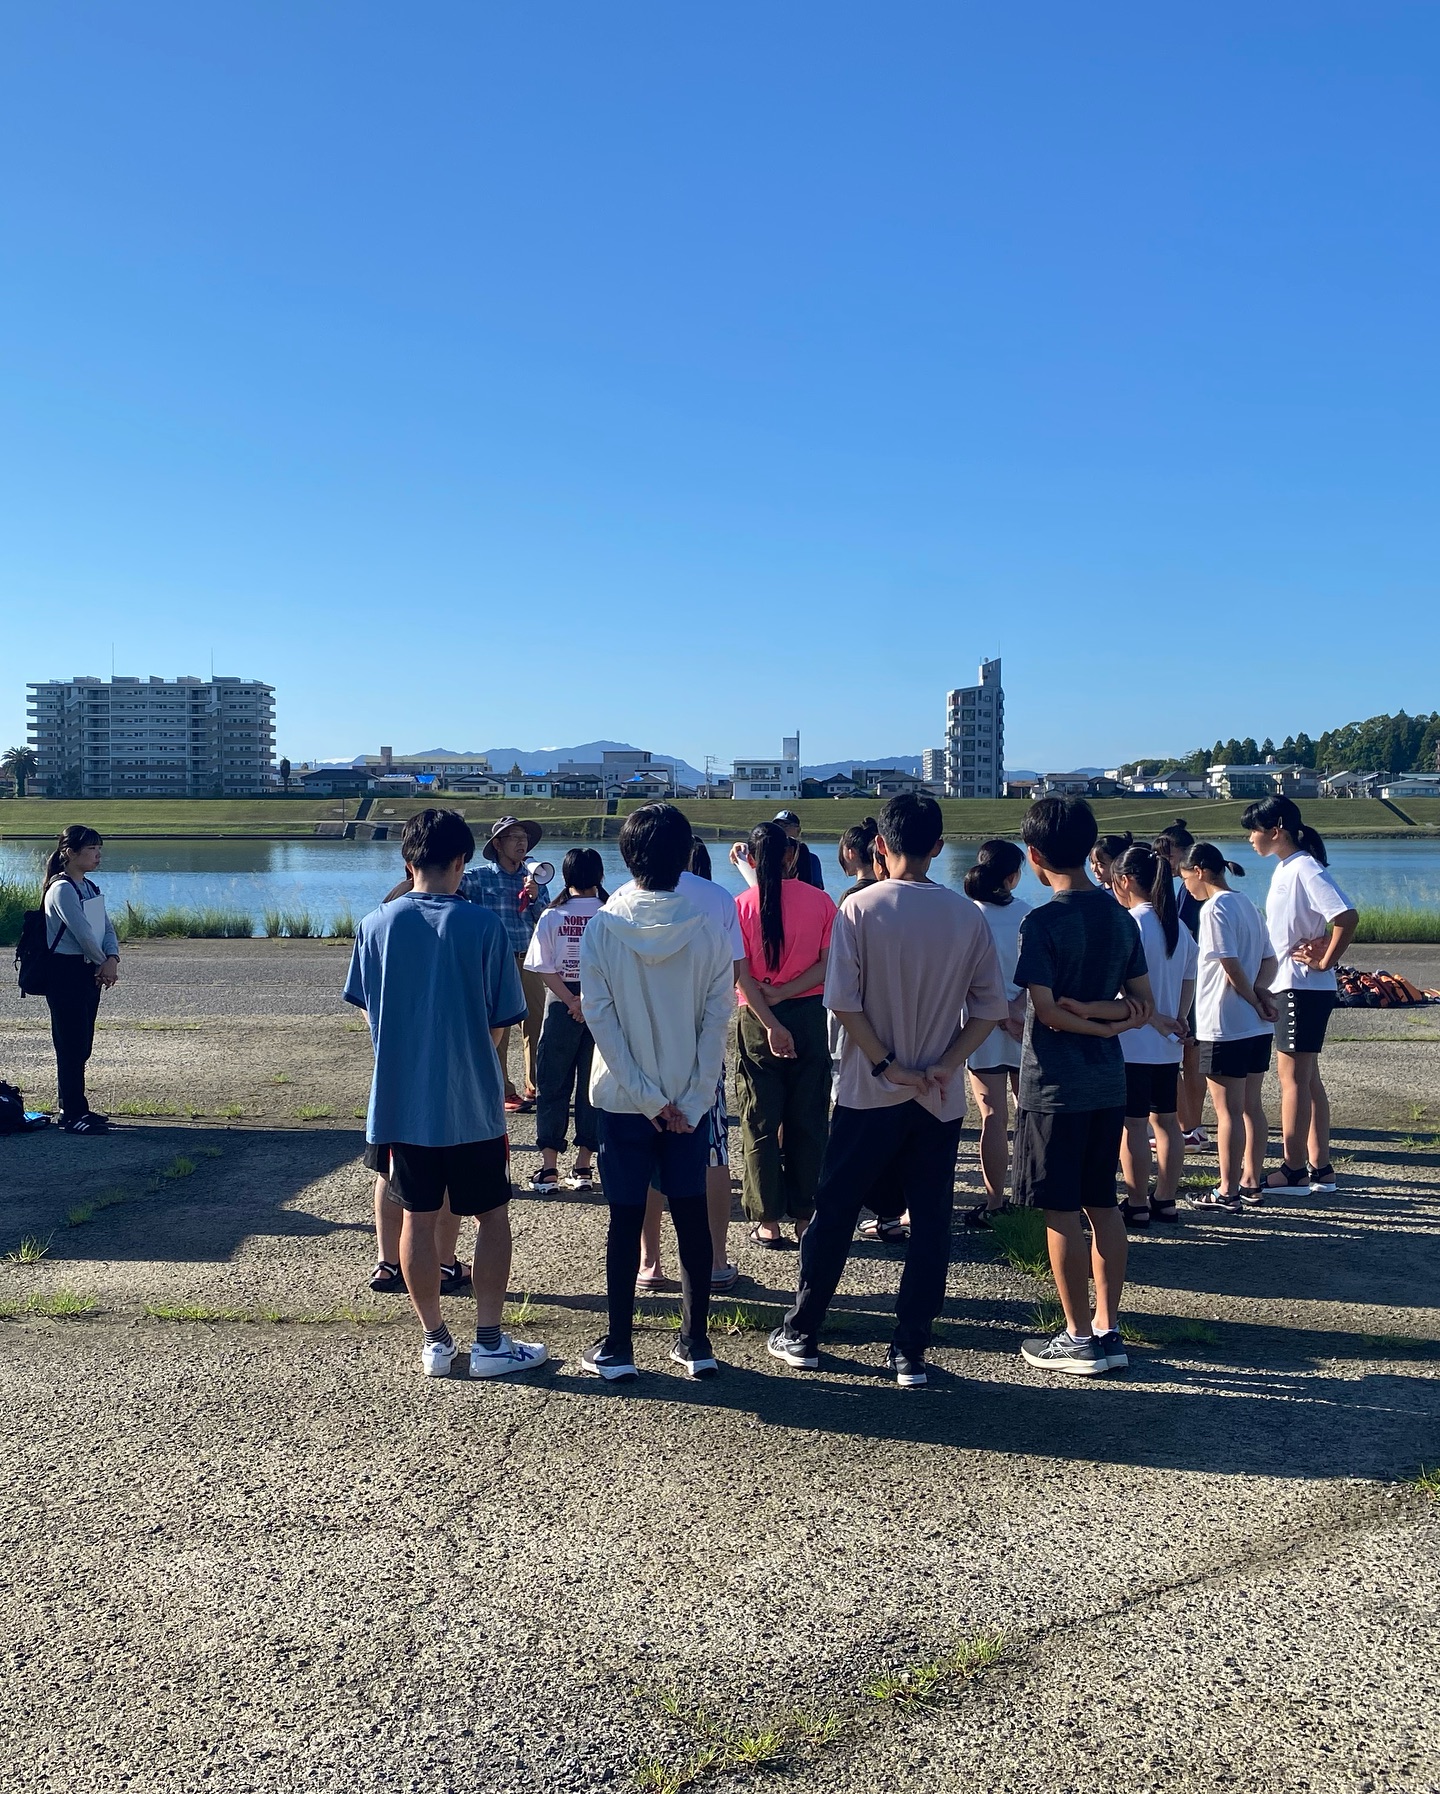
(919, 960)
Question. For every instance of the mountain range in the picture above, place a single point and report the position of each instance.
(548, 759)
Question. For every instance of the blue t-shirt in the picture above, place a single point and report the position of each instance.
(434, 975)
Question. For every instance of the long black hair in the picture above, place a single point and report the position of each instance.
(996, 862)
(1110, 847)
(860, 838)
(582, 870)
(1153, 874)
(770, 846)
(1284, 813)
(71, 840)
(1205, 857)
(700, 859)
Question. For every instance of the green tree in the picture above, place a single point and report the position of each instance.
(18, 765)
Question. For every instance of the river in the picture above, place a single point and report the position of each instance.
(327, 878)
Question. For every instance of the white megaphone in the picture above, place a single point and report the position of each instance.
(540, 871)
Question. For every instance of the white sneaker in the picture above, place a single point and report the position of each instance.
(510, 1354)
(435, 1359)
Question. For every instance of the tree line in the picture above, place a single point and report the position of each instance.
(1388, 744)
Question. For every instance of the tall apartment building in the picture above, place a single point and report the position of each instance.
(932, 767)
(153, 737)
(975, 737)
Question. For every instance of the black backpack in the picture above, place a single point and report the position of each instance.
(34, 954)
(13, 1119)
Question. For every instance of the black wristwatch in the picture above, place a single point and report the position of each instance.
(883, 1066)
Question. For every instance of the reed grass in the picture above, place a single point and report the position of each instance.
(1382, 925)
(16, 896)
(138, 924)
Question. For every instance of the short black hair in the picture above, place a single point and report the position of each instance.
(655, 845)
(1062, 830)
(911, 824)
(435, 838)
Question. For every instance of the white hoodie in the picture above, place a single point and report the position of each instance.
(657, 984)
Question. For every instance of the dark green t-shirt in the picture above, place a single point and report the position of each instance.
(1080, 944)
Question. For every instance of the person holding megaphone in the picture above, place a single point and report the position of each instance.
(516, 888)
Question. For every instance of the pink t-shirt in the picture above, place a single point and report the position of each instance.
(808, 916)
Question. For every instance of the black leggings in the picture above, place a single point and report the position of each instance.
(74, 999)
(622, 1266)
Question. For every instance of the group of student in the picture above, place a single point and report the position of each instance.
(860, 1025)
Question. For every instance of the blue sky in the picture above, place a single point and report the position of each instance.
(687, 374)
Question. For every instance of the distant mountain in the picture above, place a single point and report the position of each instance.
(549, 759)
(829, 768)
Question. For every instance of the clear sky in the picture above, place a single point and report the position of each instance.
(685, 373)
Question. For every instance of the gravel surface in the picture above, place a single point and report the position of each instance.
(262, 1554)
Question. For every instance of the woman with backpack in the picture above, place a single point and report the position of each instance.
(84, 960)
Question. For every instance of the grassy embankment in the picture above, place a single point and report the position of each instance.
(715, 818)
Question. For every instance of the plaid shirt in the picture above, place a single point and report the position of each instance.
(500, 892)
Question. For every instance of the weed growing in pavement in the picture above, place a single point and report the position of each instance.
(755, 1750)
(1428, 1482)
(359, 1114)
(179, 1167)
(30, 1250)
(204, 1313)
(517, 1314)
(731, 1319)
(356, 1027)
(657, 1777)
(1048, 1316)
(211, 1152)
(200, 1311)
(142, 1108)
(57, 1305)
(232, 1113)
(281, 1077)
(929, 1684)
(87, 1211)
(313, 1114)
(1020, 1235)
(817, 1728)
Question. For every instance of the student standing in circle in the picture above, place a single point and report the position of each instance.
(1235, 1019)
(1311, 923)
(84, 961)
(1104, 854)
(566, 1049)
(1172, 844)
(994, 1066)
(783, 1076)
(1141, 882)
(856, 855)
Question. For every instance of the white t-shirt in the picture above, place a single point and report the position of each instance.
(1230, 928)
(1000, 1051)
(555, 944)
(711, 900)
(1304, 898)
(1147, 1045)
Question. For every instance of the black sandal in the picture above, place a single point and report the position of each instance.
(1135, 1214)
(454, 1278)
(779, 1244)
(387, 1280)
(884, 1230)
(1166, 1211)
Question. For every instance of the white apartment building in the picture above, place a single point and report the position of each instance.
(932, 767)
(767, 778)
(975, 737)
(129, 737)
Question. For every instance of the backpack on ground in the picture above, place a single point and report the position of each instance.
(14, 1118)
(34, 955)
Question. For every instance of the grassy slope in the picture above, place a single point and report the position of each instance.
(723, 817)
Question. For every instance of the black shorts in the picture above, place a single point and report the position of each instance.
(1067, 1161)
(1235, 1058)
(377, 1158)
(477, 1175)
(1303, 1018)
(1151, 1090)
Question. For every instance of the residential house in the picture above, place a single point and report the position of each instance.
(1410, 784)
(838, 786)
(1351, 784)
(1076, 784)
(1268, 780)
(769, 776)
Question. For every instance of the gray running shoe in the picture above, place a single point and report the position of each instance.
(1073, 1357)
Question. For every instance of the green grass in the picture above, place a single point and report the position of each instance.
(1020, 1235)
(58, 1305)
(313, 1113)
(342, 927)
(232, 1112)
(30, 1250)
(16, 896)
(1428, 1482)
(204, 1314)
(179, 1167)
(1381, 924)
(87, 1211)
(930, 1684)
(138, 924)
(143, 1108)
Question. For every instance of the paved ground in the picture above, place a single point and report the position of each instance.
(262, 1554)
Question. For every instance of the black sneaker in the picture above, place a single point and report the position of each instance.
(793, 1349)
(601, 1361)
(696, 1356)
(907, 1368)
(1111, 1348)
(454, 1278)
(86, 1124)
(1075, 1357)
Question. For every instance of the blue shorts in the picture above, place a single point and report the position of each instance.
(634, 1154)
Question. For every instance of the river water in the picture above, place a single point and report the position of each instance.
(327, 878)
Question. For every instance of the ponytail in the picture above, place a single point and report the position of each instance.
(71, 840)
(769, 848)
(996, 862)
(1152, 872)
(582, 870)
(1284, 813)
(1207, 858)
(860, 838)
